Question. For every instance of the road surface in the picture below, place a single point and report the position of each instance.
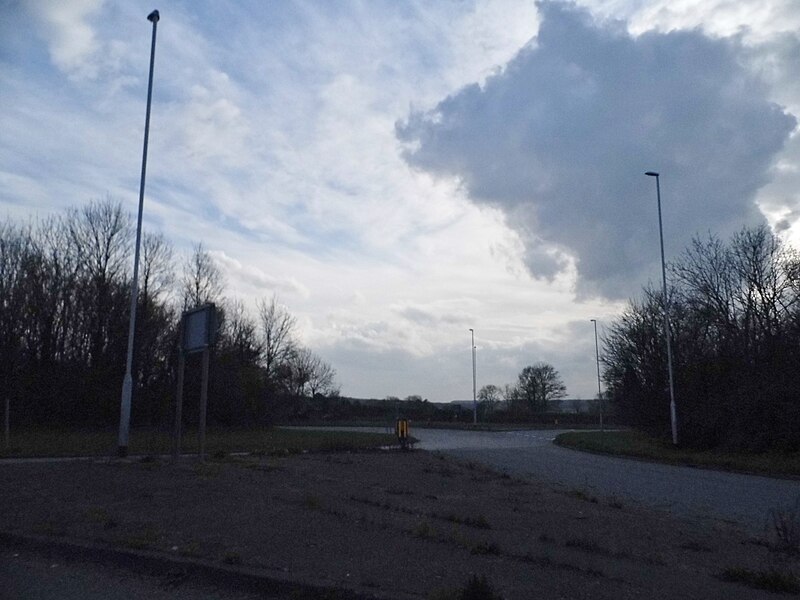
(698, 493)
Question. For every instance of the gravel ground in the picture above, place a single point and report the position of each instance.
(414, 524)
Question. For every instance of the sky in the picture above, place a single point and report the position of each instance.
(398, 172)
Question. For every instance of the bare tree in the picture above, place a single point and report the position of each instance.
(241, 334)
(157, 272)
(202, 281)
(100, 232)
(734, 309)
(100, 236)
(489, 395)
(511, 397)
(301, 365)
(322, 379)
(277, 335)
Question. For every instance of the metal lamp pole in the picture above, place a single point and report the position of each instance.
(597, 355)
(474, 380)
(127, 383)
(672, 413)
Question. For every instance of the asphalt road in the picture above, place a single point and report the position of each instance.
(697, 493)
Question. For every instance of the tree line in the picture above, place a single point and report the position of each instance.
(65, 285)
(734, 309)
(536, 387)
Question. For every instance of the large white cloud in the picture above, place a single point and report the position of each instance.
(560, 138)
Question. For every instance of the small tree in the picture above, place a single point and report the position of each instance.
(322, 379)
(202, 280)
(538, 384)
(277, 336)
(489, 395)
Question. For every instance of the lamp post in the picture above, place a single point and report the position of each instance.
(474, 380)
(597, 356)
(127, 382)
(672, 413)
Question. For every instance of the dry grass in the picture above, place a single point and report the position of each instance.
(219, 442)
(639, 445)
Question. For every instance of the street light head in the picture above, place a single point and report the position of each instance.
(153, 17)
(651, 174)
(471, 329)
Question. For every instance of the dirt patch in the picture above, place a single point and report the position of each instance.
(414, 524)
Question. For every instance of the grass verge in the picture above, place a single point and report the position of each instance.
(638, 445)
(61, 442)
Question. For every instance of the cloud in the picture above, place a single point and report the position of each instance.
(559, 141)
(256, 279)
(70, 38)
(438, 314)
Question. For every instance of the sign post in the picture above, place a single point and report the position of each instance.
(197, 334)
(179, 403)
(203, 404)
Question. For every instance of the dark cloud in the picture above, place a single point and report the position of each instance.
(560, 138)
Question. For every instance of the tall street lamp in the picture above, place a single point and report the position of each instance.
(597, 356)
(127, 383)
(672, 413)
(474, 380)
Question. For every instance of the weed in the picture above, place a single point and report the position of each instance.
(539, 561)
(696, 547)
(478, 522)
(771, 580)
(786, 525)
(445, 594)
(547, 539)
(483, 548)
(582, 495)
(378, 504)
(174, 578)
(100, 515)
(587, 546)
(263, 467)
(444, 471)
(140, 541)
(312, 502)
(423, 530)
(399, 491)
(478, 588)
(615, 502)
(232, 558)
(50, 528)
(191, 549)
(206, 470)
(547, 562)
(593, 547)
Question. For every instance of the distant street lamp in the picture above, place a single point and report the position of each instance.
(597, 356)
(672, 413)
(127, 382)
(474, 380)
